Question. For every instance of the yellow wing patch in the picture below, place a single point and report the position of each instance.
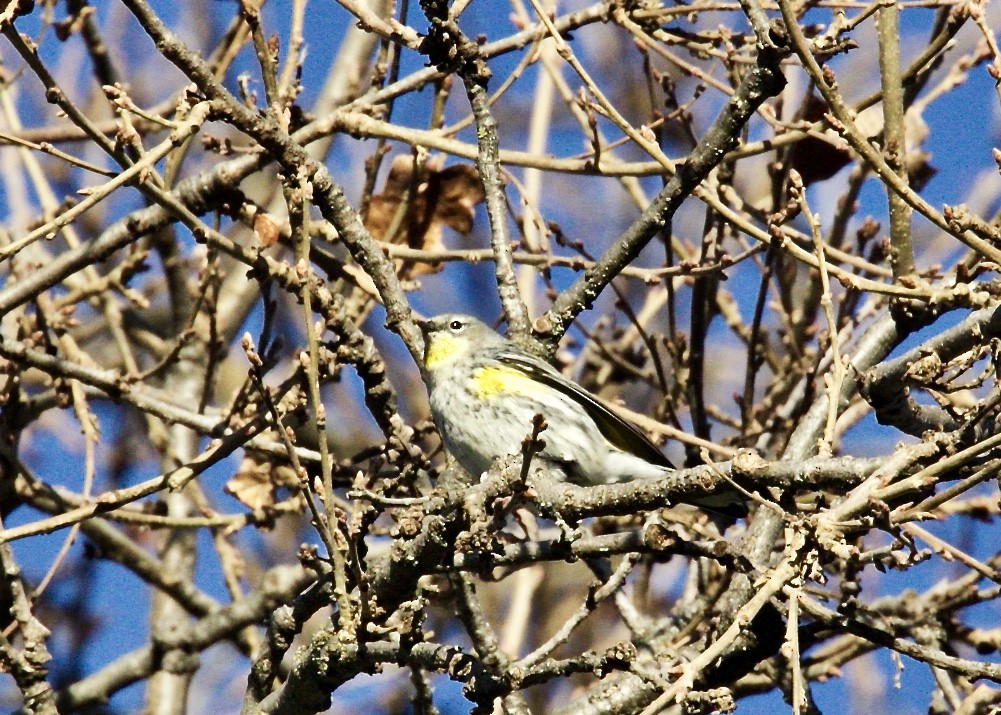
(498, 380)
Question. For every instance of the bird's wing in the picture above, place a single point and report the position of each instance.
(617, 430)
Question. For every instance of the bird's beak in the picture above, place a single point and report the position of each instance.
(424, 326)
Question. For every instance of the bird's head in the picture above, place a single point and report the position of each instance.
(451, 337)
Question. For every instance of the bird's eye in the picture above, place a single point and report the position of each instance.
(455, 325)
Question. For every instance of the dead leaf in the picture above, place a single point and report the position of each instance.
(433, 199)
(266, 229)
(815, 159)
(257, 480)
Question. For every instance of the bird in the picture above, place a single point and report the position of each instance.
(484, 392)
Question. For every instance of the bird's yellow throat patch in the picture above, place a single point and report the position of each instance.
(500, 380)
(441, 348)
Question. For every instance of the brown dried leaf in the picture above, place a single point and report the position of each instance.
(815, 159)
(266, 229)
(434, 198)
(256, 482)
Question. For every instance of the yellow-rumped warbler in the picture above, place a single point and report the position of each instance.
(485, 391)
